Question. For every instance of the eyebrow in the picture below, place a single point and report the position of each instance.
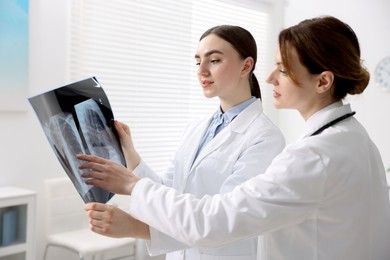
(197, 56)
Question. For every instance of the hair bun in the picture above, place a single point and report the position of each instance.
(361, 83)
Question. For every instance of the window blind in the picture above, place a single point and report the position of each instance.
(142, 52)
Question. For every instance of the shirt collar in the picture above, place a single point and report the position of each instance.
(325, 115)
(229, 115)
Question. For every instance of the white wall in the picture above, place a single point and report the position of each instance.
(371, 22)
(25, 156)
(26, 159)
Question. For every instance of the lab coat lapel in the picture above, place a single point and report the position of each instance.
(238, 125)
(190, 150)
(213, 145)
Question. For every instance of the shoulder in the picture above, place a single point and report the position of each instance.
(263, 127)
(345, 136)
(336, 147)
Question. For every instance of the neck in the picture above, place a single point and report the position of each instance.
(315, 108)
(228, 103)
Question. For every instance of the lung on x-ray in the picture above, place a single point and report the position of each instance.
(77, 118)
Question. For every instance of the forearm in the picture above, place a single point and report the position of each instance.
(141, 230)
(161, 213)
(215, 221)
(132, 159)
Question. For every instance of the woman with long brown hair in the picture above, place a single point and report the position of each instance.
(324, 197)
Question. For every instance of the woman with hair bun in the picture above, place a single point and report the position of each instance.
(324, 197)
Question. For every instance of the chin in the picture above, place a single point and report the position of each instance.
(277, 105)
(208, 94)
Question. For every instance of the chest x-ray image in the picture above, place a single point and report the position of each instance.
(77, 118)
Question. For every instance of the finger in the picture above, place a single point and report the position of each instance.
(91, 158)
(123, 129)
(97, 229)
(120, 127)
(97, 223)
(89, 206)
(97, 183)
(92, 166)
(93, 175)
(126, 129)
(96, 215)
(124, 126)
(95, 206)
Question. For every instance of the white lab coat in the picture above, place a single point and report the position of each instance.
(240, 151)
(324, 197)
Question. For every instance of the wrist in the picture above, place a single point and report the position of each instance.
(133, 182)
(141, 230)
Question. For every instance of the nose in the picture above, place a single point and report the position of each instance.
(271, 78)
(203, 69)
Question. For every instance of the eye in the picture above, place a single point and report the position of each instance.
(283, 71)
(279, 67)
(214, 61)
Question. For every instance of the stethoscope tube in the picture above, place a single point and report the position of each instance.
(333, 122)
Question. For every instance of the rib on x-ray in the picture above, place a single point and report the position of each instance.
(76, 118)
(67, 141)
(63, 135)
(94, 128)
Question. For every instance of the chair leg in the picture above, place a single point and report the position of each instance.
(44, 254)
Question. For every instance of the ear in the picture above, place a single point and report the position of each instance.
(325, 82)
(248, 65)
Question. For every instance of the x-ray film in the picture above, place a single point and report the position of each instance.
(77, 119)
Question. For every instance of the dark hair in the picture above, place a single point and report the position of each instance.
(244, 43)
(326, 44)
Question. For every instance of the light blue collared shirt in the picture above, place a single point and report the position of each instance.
(221, 120)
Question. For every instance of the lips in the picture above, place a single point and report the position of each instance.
(276, 94)
(206, 83)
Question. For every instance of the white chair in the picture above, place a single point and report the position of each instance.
(67, 225)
